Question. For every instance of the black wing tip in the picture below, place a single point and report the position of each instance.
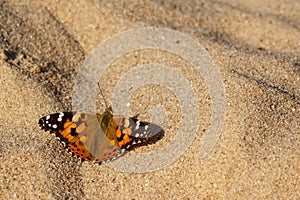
(139, 142)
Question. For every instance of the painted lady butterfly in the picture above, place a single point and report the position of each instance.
(100, 137)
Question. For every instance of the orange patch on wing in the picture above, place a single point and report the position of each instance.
(80, 150)
(125, 140)
(118, 132)
(113, 142)
(127, 131)
(66, 133)
(67, 124)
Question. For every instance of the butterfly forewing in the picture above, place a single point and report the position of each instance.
(134, 133)
(82, 134)
(136, 128)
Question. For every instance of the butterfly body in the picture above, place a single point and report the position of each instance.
(100, 137)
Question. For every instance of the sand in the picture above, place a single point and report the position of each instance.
(255, 47)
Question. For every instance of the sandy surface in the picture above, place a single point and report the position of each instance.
(256, 48)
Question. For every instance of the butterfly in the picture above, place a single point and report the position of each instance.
(100, 137)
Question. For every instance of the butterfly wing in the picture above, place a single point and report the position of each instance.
(82, 134)
(132, 132)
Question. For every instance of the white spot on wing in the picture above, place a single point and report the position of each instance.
(137, 125)
(47, 117)
(60, 117)
(54, 126)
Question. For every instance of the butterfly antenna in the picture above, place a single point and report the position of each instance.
(102, 94)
